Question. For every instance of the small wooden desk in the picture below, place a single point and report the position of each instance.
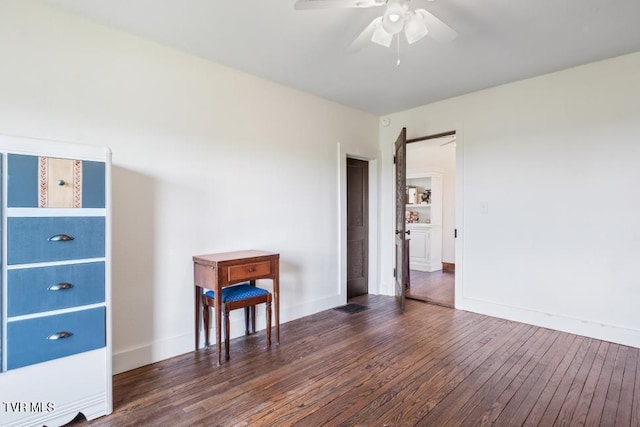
(215, 271)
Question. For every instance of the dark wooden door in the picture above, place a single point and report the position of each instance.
(402, 255)
(357, 227)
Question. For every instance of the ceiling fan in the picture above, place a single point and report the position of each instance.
(397, 17)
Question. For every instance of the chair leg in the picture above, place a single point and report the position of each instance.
(205, 318)
(268, 310)
(226, 333)
(246, 321)
(253, 319)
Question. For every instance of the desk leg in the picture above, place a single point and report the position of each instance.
(198, 295)
(218, 300)
(276, 297)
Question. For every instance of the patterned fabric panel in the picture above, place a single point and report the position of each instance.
(238, 292)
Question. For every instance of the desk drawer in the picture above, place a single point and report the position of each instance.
(249, 271)
(35, 290)
(31, 341)
(29, 239)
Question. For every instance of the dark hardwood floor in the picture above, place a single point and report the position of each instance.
(435, 287)
(431, 366)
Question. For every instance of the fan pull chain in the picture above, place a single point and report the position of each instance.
(398, 45)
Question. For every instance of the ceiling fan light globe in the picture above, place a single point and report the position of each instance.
(392, 27)
(394, 17)
(381, 37)
(415, 28)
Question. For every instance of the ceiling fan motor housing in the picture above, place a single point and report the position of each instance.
(394, 16)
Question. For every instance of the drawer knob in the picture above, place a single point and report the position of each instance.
(61, 182)
(60, 238)
(251, 269)
(60, 287)
(59, 335)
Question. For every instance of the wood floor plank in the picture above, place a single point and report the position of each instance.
(546, 397)
(600, 394)
(288, 381)
(635, 409)
(432, 390)
(431, 366)
(553, 409)
(571, 400)
(461, 400)
(525, 365)
(584, 401)
(625, 402)
(375, 365)
(610, 409)
(436, 287)
(520, 405)
(386, 397)
(481, 402)
(306, 406)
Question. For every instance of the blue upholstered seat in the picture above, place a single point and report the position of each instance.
(238, 292)
(242, 295)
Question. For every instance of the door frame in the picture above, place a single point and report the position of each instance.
(459, 209)
(363, 195)
(374, 241)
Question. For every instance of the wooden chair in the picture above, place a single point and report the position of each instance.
(242, 295)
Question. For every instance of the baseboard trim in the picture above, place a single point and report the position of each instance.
(448, 267)
(132, 358)
(612, 333)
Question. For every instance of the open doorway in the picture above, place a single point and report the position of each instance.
(431, 193)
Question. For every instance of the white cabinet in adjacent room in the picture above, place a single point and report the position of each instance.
(425, 245)
(424, 211)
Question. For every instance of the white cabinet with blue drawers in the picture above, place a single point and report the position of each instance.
(55, 339)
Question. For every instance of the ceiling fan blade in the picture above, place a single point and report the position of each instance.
(330, 4)
(365, 35)
(438, 30)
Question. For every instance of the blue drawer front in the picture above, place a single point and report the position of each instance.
(28, 239)
(79, 284)
(27, 341)
(93, 185)
(22, 184)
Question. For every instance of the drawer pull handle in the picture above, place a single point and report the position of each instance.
(60, 287)
(59, 335)
(251, 269)
(61, 182)
(60, 238)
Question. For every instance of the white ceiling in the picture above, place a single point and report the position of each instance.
(499, 41)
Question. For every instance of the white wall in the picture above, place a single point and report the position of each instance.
(206, 159)
(555, 160)
(431, 156)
